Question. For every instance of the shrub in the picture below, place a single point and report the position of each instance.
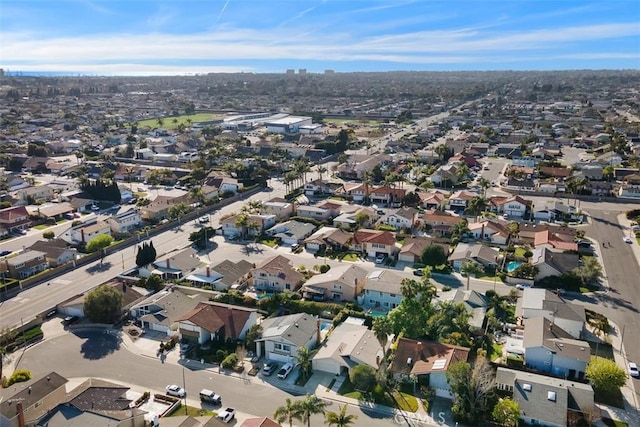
(324, 268)
(48, 235)
(19, 376)
(230, 361)
(220, 355)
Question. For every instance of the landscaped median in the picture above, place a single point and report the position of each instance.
(397, 399)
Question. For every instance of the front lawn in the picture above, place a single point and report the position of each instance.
(169, 124)
(400, 400)
(405, 401)
(192, 412)
(496, 351)
(519, 253)
(42, 226)
(269, 242)
(350, 257)
(614, 423)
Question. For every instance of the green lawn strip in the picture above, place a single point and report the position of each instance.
(346, 387)
(496, 351)
(192, 412)
(614, 423)
(350, 257)
(519, 253)
(269, 242)
(405, 401)
(42, 226)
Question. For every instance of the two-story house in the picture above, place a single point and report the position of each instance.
(25, 264)
(56, 251)
(543, 303)
(553, 263)
(548, 348)
(84, 232)
(276, 274)
(374, 243)
(314, 212)
(459, 200)
(478, 253)
(514, 206)
(440, 222)
(433, 199)
(361, 217)
(387, 196)
(15, 219)
(630, 187)
(342, 283)
(25, 405)
(319, 187)
(401, 218)
(280, 208)
(255, 225)
(125, 222)
(43, 193)
(214, 321)
(158, 209)
(489, 230)
(282, 336)
(382, 291)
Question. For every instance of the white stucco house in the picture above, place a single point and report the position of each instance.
(283, 336)
(537, 302)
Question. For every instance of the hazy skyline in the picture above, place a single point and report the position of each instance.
(130, 37)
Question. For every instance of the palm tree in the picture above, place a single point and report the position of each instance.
(242, 222)
(340, 419)
(160, 122)
(304, 360)
(288, 412)
(174, 121)
(484, 184)
(459, 229)
(309, 406)
(189, 121)
(382, 328)
(320, 169)
(470, 268)
(197, 195)
(476, 206)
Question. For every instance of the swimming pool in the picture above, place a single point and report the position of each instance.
(512, 266)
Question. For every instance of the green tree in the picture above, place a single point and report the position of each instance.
(434, 255)
(178, 210)
(201, 237)
(525, 271)
(450, 324)
(472, 389)
(469, 269)
(506, 412)
(361, 218)
(253, 334)
(605, 375)
(288, 412)
(146, 254)
(309, 406)
(303, 358)
(484, 183)
(590, 271)
(458, 230)
(153, 283)
(48, 235)
(341, 418)
(160, 122)
(99, 243)
(476, 206)
(103, 304)
(382, 328)
(363, 377)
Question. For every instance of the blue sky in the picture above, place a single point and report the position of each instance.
(197, 36)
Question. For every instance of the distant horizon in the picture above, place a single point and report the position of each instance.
(156, 37)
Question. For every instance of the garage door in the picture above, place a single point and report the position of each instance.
(326, 365)
(74, 311)
(278, 357)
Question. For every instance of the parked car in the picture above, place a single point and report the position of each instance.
(418, 272)
(70, 320)
(627, 239)
(95, 208)
(269, 368)
(209, 396)
(5, 253)
(633, 370)
(284, 372)
(227, 415)
(380, 259)
(522, 286)
(203, 219)
(175, 390)
(295, 247)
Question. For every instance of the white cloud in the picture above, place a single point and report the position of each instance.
(131, 69)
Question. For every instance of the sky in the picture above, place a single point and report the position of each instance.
(154, 37)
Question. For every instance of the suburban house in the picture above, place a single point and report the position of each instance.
(342, 283)
(459, 200)
(543, 303)
(486, 256)
(362, 216)
(387, 196)
(84, 232)
(51, 212)
(283, 336)
(256, 224)
(515, 184)
(563, 242)
(176, 266)
(348, 345)
(528, 231)
(276, 274)
(514, 206)
(553, 263)
(382, 291)
(160, 312)
(56, 251)
(25, 264)
(213, 321)
(401, 218)
(474, 302)
(489, 230)
(328, 237)
(258, 422)
(223, 183)
(630, 187)
(429, 358)
(316, 212)
(374, 242)
(33, 400)
(358, 192)
(548, 348)
(446, 174)
(440, 222)
(281, 209)
(125, 222)
(413, 248)
(75, 306)
(432, 200)
(158, 209)
(225, 275)
(546, 401)
(29, 195)
(291, 232)
(14, 219)
(316, 187)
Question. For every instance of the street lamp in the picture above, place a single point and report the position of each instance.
(184, 388)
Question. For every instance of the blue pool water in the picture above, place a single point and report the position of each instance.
(512, 266)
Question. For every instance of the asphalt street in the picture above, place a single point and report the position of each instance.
(100, 355)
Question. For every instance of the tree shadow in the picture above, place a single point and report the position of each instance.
(249, 249)
(98, 343)
(99, 267)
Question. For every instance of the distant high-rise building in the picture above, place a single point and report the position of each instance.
(329, 72)
(302, 71)
(1, 72)
(291, 71)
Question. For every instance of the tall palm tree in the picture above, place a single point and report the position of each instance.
(197, 195)
(382, 328)
(288, 412)
(470, 269)
(309, 406)
(304, 360)
(160, 122)
(459, 229)
(189, 121)
(340, 419)
(476, 206)
(484, 184)
(321, 170)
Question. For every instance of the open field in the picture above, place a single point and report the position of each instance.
(168, 122)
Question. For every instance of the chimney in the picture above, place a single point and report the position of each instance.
(419, 347)
(168, 263)
(318, 332)
(82, 234)
(208, 272)
(21, 420)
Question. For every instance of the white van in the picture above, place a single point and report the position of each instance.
(284, 372)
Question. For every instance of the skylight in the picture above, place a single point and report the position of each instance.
(551, 395)
(439, 364)
(526, 387)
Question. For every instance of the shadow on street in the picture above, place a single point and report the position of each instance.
(99, 267)
(98, 343)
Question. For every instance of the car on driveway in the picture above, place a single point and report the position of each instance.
(633, 370)
(227, 415)
(522, 286)
(269, 368)
(203, 219)
(175, 390)
(284, 372)
(380, 259)
(418, 272)
(627, 239)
